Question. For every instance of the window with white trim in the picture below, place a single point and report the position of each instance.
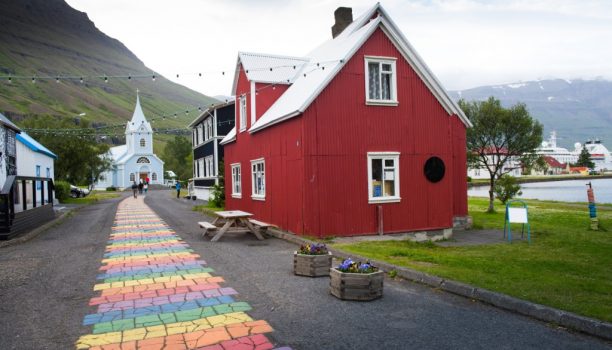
(208, 167)
(236, 181)
(243, 112)
(132, 177)
(380, 80)
(200, 135)
(154, 176)
(383, 177)
(258, 179)
(143, 142)
(201, 167)
(193, 138)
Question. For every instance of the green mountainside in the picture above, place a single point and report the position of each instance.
(49, 38)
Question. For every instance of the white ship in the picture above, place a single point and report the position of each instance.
(600, 155)
(550, 148)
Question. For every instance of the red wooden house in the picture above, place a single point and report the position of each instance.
(358, 137)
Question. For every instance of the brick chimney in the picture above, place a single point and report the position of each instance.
(344, 17)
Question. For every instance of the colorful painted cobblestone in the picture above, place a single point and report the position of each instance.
(154, 292)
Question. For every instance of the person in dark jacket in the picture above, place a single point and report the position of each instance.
(134, 189)
(140, 186)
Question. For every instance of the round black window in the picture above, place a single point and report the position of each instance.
(434, 169)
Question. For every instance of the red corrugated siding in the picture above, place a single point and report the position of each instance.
(267, 95)
(345, 129)
(281, 148)
(316, 164)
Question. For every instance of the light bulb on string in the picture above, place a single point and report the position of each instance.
(10, 80)
(177, 76)
(81, 80)
(57, 80)
(129, 77)
(106, 79)
(33, 80)
(200, 74)
(153, 78)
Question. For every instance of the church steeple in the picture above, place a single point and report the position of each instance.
(138, 131)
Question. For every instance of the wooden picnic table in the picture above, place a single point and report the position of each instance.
(234, 221)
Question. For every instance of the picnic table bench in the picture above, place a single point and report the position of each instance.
(233, 221)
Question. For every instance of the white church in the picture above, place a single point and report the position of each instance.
(134, 161)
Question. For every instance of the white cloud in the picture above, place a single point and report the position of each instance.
(466, 42)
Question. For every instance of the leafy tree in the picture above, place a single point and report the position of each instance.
(80, 158)
(507, 188)
(584, 159)
(178, 157)
(499, 135)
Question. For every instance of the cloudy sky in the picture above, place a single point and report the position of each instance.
(467, 43)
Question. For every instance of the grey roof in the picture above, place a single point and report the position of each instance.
(9, 124)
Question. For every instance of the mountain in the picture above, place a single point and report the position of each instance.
(577, 109)
(49, 38)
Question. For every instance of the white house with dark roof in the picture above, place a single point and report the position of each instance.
(134, 161)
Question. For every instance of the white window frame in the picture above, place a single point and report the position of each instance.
(384, 155)
(381, 60)
(254, 175)
(200, 137)
(243, 112)
(201, 167)
(236, 181)
(209, 170)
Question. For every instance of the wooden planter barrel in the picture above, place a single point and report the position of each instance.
(311, 265)
(356, 286)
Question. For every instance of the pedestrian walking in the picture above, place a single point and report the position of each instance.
(134, 189)
(178, 189)
(146, 187)
(140, 186)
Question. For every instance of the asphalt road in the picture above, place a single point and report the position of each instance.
(46, 283)
(305, 316)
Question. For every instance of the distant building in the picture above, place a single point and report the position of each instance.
(552, 167)
(512, 166)
(33, 160)
(170, 178)
(208, 129)
(134, 161)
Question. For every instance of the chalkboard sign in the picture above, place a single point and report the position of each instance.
(434, 169)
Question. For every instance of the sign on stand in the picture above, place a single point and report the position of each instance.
(516, 215)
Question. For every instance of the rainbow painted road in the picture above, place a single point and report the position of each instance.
(156, 293)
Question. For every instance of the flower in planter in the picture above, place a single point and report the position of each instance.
(313, 249)
(351, 266)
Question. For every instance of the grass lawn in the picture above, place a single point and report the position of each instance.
(93, 197)
(567, 266)
(207, 209)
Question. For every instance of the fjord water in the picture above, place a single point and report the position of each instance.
(564, 191)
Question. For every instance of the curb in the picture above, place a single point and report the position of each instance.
(37, 231)
(540, 312)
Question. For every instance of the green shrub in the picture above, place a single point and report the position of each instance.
(62, 190)
(506, 188)
(111, 189)
(217, 196)
(469, 179)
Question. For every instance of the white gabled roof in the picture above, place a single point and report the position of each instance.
(334, 53)
(257, 68)
(231, 136)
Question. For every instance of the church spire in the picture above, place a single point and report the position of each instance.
(138, 118)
